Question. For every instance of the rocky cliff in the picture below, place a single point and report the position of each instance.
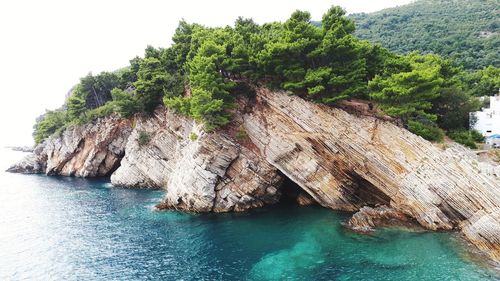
(340, 160)
(89, 150)
(200, 172)
(346, 161)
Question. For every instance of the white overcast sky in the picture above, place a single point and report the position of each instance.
(45, 46)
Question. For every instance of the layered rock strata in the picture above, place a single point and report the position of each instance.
(340, 160)
(200, 171)
(91, 150)
(346, 161)
(367, 219)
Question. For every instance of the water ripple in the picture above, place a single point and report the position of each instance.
(75, 229)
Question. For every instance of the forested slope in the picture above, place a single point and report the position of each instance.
(201, 74)
(467, 31)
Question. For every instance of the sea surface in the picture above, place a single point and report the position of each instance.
(56, 228)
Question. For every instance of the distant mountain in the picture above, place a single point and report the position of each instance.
(468, 31)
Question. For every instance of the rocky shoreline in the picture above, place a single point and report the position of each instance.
(21, 148)
(342, 161)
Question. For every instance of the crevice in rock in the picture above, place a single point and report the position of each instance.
(366, 194)
(116, 165)
(292, 194)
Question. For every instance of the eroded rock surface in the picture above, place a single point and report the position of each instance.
(153, 149)
(89, 150)
(367, 219)
(346, 161)
(200, 171)
(304, 199)
(340, 160)
(33, 163)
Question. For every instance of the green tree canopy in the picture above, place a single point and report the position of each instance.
(204, 69)
(466, 31)
(409, 94)
(484, 82)
(48, 124)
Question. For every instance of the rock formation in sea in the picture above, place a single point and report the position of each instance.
(91, 150)
(368, 219)
(343, 161)
(21, 148)
(346, 161)
(201, 171)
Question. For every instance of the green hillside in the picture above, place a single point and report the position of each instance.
(468, 31)
(206, 69)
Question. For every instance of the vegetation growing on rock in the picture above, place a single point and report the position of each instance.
(193, 136)
(143, 138)
(467, 138)
(200, 73)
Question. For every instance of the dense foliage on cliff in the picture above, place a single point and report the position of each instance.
(424, 91)
(467, 31)
(484, 82)
(48, 124)
(202, 71)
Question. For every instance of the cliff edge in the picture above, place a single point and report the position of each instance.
(340, 160)
(91, 150)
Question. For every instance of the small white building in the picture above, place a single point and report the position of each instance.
(488, 119)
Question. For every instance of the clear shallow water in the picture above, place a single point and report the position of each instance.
(54, 228)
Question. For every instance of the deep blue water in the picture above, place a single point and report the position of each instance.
(54, 228)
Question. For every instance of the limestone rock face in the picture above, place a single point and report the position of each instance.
(153, 149)
(89, 150)
(200, 171)
(368, 218)
(33, 163)
(304, 199)
(346, 161)
(216, 174)
(250, 182)
(342, 161)
(203, 163)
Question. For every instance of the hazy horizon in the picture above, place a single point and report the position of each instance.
(47, 46)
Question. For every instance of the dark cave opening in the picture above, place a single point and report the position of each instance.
(366, 194)
(292, 194)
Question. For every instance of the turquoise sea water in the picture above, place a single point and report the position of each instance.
(54, 228)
